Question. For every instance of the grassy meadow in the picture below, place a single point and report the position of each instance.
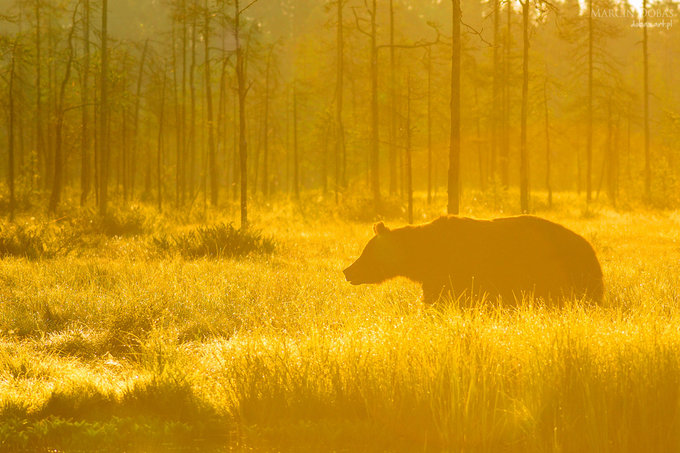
(147, 332)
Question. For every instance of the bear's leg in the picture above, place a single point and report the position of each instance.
(432, 292)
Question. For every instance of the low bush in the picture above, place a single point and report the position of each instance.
(36, 241)
(218, 241)
(117, 222)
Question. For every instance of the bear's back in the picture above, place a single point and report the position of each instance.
(517, 254)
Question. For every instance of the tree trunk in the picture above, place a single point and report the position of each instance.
(454, 146)
(645, 62)
(242, 91)
(523, 152)
(178, 118)
(480, 152)
(265, 157)
(222, 134)
(103, 115)
(296, 162)
(629, 120)
(548, 186)
(159, 149)
(212, 159)
(589, 145)
(58, 179)
(183, 114)
(138, 98)
(10, 132)
(192, 108)
(429, 125)
(504, 155)
(495, 94)
(612, 157)
(86, 165)
(409, 169)
(339, 86)
(393, 113)
(40, 145)
(375, 132)
(236, 176)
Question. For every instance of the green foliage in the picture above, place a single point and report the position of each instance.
(218, 241)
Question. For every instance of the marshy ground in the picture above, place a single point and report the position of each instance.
(147, 332)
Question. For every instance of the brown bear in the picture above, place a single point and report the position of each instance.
(506, 257)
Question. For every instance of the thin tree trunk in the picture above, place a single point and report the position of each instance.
(222, 135)
(548, 186)
(265, 138)
(454, 146)
(629, 176)
(10, 132)
(495, 94)
(429, 125)
(138, 97)
(324, 161)
(58, 180)
(125, 152)
(42, 160)
(339, 87)
(589, 145)
(212, 159)
(645, 62)
(192, 110)
(256, 138)
(409, 169)
(178, 120)
(159, 150)
(103, 116)
(504, 157)
(375, 131)
(612, 163)
(296, 162)
(86, 165)
(579, 172)
(242, 91)
(183, 119)
(236, 176)
(51, 105)
(523, 152)
(393, 119)
(480, 153)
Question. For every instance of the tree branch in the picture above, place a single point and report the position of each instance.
(356, 19)
(247, 6)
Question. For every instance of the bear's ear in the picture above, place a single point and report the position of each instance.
(380, 228)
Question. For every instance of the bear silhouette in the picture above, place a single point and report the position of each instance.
(509, 258)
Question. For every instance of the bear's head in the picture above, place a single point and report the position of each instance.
(379, 261)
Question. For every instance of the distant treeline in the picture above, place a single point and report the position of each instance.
(181, 102)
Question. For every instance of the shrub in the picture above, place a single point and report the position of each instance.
(218, 241)
(117, 222)
(35, 241)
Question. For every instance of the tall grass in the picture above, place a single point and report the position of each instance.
(137, 350)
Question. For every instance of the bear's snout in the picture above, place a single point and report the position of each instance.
(350, 275)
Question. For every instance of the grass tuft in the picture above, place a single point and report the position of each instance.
(216, 241)
(34, 241)
(132, 221)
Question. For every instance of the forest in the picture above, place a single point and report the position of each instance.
(182, 183)
(196, 103)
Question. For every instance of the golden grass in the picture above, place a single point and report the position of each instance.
(118, 346)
